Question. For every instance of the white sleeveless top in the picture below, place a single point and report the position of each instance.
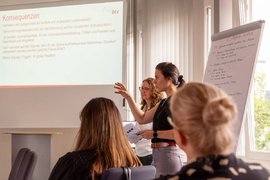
(143, 147)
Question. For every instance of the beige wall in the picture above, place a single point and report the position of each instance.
(60, 144)
(5, 155)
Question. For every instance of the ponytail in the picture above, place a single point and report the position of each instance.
(181, 81)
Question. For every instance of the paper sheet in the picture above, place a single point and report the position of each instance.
(131, 131)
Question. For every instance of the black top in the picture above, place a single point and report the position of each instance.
(221, 167)
(160, 121)
(75, 165)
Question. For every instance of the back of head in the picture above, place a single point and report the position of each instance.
(169, 70)
(102, 130)
(100, 119)
(204, 114)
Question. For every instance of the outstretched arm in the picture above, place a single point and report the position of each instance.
(140, 116)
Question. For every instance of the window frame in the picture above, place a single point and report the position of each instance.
(262, 157)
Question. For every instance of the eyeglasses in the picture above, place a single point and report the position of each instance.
(144, 89)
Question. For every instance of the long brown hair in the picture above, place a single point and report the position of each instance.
(156, 96)
(102, 130)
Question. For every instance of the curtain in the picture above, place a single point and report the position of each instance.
(167, 34)
(241, 12)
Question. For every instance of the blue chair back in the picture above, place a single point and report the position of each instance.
(130, 173)
(23, 166)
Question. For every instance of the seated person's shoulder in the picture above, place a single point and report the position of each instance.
(253, 170)
(221, 167)
(73, 165)
(78, 157)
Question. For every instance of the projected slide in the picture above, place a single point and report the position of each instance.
(65, 45)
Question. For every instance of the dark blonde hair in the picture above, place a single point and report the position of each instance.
(204, 114)
(102, 130)
(156, 96)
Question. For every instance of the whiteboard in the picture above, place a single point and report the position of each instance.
(231, 64)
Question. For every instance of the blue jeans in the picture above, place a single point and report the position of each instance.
(168, 160)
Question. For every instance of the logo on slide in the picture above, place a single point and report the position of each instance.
(115, 11)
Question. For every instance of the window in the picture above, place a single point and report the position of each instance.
(260, 119)
(257, 132)
(208, 29)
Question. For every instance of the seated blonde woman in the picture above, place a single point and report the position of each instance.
(101, 144)
(203, 117)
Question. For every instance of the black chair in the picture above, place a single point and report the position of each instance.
(130, 173)
(23, 166)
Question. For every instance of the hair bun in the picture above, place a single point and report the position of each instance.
(219, 112)
(180, 78)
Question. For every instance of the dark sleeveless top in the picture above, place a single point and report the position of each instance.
(160, 121)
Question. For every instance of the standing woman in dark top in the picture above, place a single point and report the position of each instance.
(101, 144)
(203, 117)
(167, 157)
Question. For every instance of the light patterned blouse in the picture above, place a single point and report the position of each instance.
(219, 167)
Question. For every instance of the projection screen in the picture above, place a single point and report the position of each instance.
(56, 56)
